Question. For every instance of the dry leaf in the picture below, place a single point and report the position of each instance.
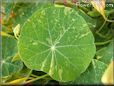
(99, 5)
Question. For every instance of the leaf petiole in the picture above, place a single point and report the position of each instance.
(102, 43)
(6, 34)
(101, 27)
(34, 75)
(28, 75)
(39, 77)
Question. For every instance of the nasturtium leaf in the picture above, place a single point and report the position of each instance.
(57, 40)
(90, 21)
(93, 74)
(8, 7)
(23, 11)
(9, 49)
(105, 54)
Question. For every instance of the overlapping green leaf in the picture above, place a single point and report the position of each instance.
(9, 49)
(106, 54)
(93, 74)
(57, 40)
(23, 11)
(91, 22)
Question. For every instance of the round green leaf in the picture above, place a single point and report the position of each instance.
(9, 49)
(57, 40)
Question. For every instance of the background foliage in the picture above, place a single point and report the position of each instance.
(99, 18)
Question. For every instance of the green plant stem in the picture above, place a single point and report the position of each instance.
(103, 36)
(101, 27)
(34, 79)
(28, 75)
(2, 33)
(34, 75)
(39, 77)
(98, 31)
(109, 20)
(30, 78)
(103, 43)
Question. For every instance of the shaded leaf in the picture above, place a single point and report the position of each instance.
(9, 49)
(93, 74)
(8, 8)
(105, 54)
(90, 21)
(23, 11)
